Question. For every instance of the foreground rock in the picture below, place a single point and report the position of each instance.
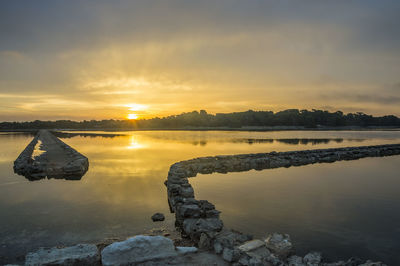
(141, 249)
(47, 156)
(82, 254)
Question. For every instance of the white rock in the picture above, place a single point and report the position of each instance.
(82, 254)
(138, 249)
(186, 250)
(251, 245)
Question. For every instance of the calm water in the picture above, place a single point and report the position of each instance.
(342, 209)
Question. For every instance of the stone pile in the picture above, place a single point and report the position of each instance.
(200, 221)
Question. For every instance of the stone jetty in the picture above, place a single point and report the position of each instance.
(200, 221)
(47, 156)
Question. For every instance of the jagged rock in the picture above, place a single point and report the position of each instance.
(158, 217)
(280, 244)
(188, 211)
(206, 241)
(229, 238)
(82, 254)
(312, 258)
(231, 255)
(194, 227)
(138, 249)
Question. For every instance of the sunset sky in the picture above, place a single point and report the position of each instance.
(108, 59)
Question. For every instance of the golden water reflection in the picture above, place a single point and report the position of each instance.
(124, 185)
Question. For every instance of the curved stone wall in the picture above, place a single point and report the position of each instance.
(200, 221)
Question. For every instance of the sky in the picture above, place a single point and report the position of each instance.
(100, 59)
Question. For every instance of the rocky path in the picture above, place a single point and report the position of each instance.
(47, 156)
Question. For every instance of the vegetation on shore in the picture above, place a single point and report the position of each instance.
(202, 119)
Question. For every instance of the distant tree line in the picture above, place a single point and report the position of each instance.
(195, 119)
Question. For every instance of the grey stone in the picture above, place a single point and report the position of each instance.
(312, 258)
(194, 227)
(186, 250)
(230, 255)
(158, 217)
(251, 245)
(295, 261)
(82, 254)
(138, 249)
(280, 244)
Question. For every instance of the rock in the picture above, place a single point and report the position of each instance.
(138, 249)
(186, 250)
(251, 245)
(295, 261)
(188, 211)
(206, 241)
(194, 227)
(229, 238)
(230, 255)
(280, 244)
(312, 258)
(158, 217)
(82, 254)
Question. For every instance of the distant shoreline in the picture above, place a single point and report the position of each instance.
(248, 129)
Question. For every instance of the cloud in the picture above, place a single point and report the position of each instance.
(97, 56)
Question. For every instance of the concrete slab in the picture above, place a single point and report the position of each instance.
(47, 156)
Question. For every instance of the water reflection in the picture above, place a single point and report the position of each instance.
(83, 134)
(124, 186)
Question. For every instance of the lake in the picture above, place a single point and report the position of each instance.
(342, 209)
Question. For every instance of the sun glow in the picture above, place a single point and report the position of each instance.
(133, 116)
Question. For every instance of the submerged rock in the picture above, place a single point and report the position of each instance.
(138, 249)
(158, 217)
(82, 254)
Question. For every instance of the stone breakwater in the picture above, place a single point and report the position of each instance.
(54, 159)
(200, 221)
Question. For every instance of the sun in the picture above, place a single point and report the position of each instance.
(132, 116)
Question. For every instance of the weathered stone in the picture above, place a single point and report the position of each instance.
(251, 245)
(295, 261)
(186, 250)
(230, 255)
(206, 241)
(82, 254)
(158, 217)
(188, 211)
(312, 258)
(138, 249)
(194, 227)
(230, 239)
(280, 244)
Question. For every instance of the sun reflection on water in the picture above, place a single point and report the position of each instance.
(135, 144)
